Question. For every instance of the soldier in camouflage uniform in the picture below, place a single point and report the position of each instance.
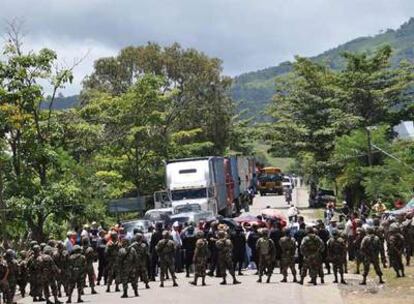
(359, 257)
(395, 246)
(90, 256)
(4, 285)
(77, 270)
(23, 273)
(311, 248)
(166, 250)
(288, 248)
(34, 265)
(370, 249)
(380, 233)
(143, 257)
(224, 257)
(266, 254)
(61, 258)
(111, 257)
(13, 267)
(336, 248)
(49, 274)
(200, 259)
(128, 260)
(408, 233)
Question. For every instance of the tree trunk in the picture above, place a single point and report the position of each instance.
(3, 210)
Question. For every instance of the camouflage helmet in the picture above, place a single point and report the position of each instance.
(48, 250)
(335, 232)
(23, 254)
(221, 234)
(376, 221)
(77, 249)
(264, 231)
(394, 228)
(200, 234)
(166, 234)
(86, 241)
(310, 230)
(32, 244)
(139, 237)
(9, 254)
(36, 249)
(60, 245)
(42, 246)
(51, 243)
(369, 230)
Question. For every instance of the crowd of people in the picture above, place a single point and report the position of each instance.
(57, 268)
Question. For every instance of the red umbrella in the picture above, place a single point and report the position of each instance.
(246, 218)
(274, 214)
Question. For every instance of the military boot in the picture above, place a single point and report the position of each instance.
(259, 280)
(80, 300)
(301, 280)
(294, 279)
(93, 291)
(336, 278)
(203, 281)
(108, 288)
(322, 280)
(224, 282)
(57, 300)
(364, 281)
(136, 292)
(380, 280)
(125, 294)
(68, 301)
(235, 282)
(117, 288)
(268, 280)
(195, 281)
(147, 286)
(48, 301)
(284, 280)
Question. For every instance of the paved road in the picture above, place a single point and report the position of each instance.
(247, 293)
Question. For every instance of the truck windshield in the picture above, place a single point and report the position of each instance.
(179, 195)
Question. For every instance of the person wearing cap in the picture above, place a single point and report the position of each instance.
(166, 251)
(224, 257)
(77, 262)
(336, 249)
(287, 246)
(238, 239)
(370, 249)
(395, 246)
(311, 248)
(69, 241)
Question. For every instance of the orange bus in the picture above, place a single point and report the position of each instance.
(270, 181)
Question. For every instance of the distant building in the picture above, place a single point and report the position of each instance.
(405, 130)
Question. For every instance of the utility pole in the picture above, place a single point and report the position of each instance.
(369, 139)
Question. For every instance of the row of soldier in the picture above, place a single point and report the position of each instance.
(49, 268)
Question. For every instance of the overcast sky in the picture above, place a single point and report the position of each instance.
(246, 34)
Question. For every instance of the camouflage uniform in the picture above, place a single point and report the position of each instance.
(380, 233)
(49, 274)
(34, 266)
(61, 258)
(12, 278)
(111, 257)
(359, 257)
(224, 257)
(76, 265)
(395, 246)
(166, 250)
(23, 274)
(336, 248)
(408, 233)
(370, 249)
(142, 261)
(266, 254)
(128, 260)
(4, 286)
(90, 256)
(200, 258)
(288, 248)
(311, 248)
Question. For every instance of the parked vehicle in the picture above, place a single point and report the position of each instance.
(187, 217)
(198, 181)
(287, 182)
(158, 215)
(321, 198)
(142, 225)
(270, 181)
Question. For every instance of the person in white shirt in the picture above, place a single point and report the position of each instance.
(176, 236)
(292, 213)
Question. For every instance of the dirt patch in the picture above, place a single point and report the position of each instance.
(395, 290)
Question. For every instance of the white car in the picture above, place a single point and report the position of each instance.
(287, 182)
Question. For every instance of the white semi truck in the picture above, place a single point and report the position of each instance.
(199, 181)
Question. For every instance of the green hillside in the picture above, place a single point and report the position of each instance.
(253, 91)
